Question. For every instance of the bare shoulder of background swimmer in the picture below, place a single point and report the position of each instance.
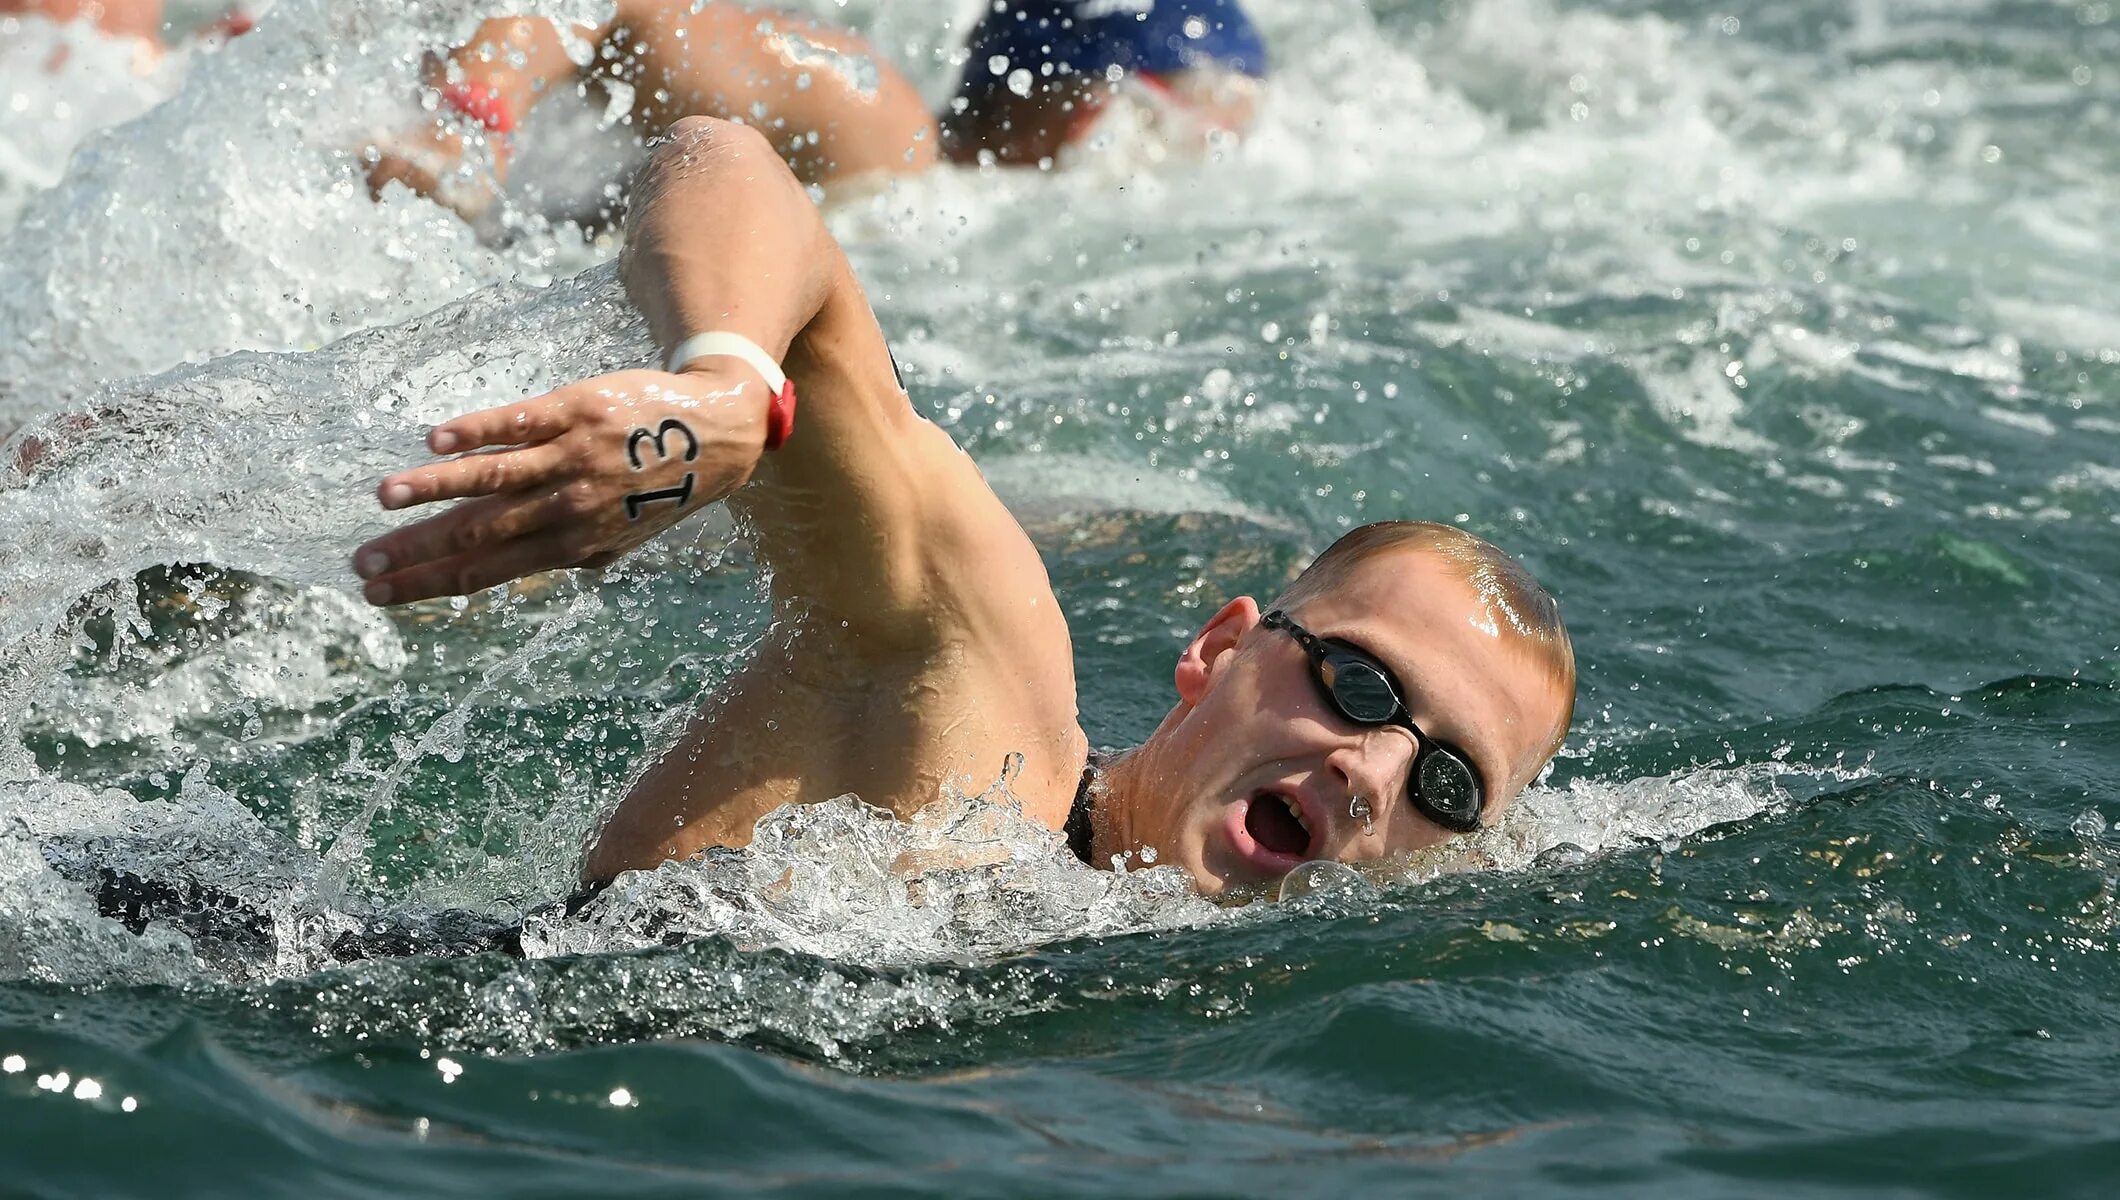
(834, 107)
(919, 638)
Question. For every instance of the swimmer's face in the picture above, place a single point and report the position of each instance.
(1256, 770)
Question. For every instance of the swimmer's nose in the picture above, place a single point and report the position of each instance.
(1371, 764)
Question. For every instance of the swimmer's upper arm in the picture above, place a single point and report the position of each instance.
(870, 518)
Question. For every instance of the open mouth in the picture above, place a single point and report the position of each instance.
(1275, 822)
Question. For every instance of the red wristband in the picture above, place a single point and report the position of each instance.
(780, 416)
(482, 104)
(780, 404)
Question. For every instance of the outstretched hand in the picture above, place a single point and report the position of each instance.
(573, 478)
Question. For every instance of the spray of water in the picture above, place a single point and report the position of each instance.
(247, 185)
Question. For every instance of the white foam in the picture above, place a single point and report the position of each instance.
(963, 880)
(321, 647)
(234, 215)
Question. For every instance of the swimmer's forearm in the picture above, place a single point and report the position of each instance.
(520, 59)
(723, 237)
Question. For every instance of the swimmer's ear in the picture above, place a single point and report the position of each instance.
(1205, 654)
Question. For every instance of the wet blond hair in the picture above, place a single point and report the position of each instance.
(1527, 610)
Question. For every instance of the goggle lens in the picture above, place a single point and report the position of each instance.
(1360, 691)
(1450, 790)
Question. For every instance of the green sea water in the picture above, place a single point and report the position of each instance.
(1781, 341)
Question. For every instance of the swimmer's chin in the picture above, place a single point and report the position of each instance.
(1235, 889)
(1248, 892)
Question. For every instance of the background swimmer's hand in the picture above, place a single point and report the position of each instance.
(573, 478)
(429, 162)
(29, 451)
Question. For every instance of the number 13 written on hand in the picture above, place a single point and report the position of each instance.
(659, 439)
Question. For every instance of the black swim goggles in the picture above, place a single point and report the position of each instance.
(1442, 783)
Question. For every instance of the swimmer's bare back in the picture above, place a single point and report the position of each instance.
(917, 641)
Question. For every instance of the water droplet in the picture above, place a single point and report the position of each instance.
(1321, 877)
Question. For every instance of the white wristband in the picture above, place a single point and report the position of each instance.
(729, 345)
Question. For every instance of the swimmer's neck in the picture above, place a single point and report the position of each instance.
(1124, 782)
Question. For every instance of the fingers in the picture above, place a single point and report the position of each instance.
(389, 170)
(539, 419)
(28, 453)
(478, 526)
(532, 502)
(473, 572)
(475, 475)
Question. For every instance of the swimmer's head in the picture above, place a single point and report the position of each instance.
(1258, 768)
(1041, 73)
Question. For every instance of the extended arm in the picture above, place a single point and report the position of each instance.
(869, 502)
(919, 642)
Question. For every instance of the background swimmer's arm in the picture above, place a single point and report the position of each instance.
(518, 61)
(839, 111)
(832, 106)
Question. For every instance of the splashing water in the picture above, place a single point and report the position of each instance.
(857, 70)
(279, 244)
(44, 69)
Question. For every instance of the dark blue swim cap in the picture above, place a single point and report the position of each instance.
(1085, 37)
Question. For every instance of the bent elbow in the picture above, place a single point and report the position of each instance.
(697, 139)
